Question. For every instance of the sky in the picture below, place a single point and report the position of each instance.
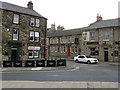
(72, 13)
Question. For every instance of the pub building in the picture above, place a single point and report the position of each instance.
(23, 32)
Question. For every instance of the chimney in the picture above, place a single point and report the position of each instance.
(99, 18)
(60, 27)
(53, 27)
(30, 5)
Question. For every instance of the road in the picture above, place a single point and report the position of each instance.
(91, 72)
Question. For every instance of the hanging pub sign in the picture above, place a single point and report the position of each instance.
(33, 47)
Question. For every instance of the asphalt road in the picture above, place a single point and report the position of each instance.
(91, 72)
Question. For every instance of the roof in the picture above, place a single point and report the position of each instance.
(95, 25)
(58, 33)
(105, 23)
(19, 9)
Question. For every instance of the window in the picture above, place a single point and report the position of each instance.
(32, 22)
(92, 51)
(16, 19)
(15, 34)
(92, 35)
(30, 54)
(34, 36)
(31, 35)
(115, 53)
(36, 55)
(81, 57)
(76, 40)
(37, 22)
(33, 54)
(105, 35)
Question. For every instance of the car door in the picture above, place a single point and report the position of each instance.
(79, 59)
(82, 58)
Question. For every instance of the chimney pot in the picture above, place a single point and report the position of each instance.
(30, 5)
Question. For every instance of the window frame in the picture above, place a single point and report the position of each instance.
(92, 51)
(16, 18)
(34, 36)
(106, 36)
(17, 34)
(37, 24)
(92, 36)
(33, 54)
(32, 22)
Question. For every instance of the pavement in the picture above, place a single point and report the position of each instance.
(44, 69)
(62, 84)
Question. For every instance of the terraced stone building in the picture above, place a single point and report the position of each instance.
(100, 39)
(23, 32)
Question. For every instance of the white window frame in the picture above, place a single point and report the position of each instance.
(32, 21)
(37, 35)
(37, 23)
(33, 54)
(15, 35)
(32, 35)
(37, 54)
(106, 35)
(16, 19)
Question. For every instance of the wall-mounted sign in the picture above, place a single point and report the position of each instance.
(33, 47)
(85, 36)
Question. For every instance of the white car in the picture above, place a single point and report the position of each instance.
(85, 58)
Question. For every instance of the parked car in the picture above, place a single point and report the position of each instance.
(85, 59)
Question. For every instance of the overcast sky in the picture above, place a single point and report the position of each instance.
(72, 13)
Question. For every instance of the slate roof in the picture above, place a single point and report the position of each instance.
(58, 33)
(78, 31)
(19, 9)
(105, 23)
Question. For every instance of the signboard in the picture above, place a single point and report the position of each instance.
(17, 64)
(85, 36)
(29, 64)
(40, 63)
(33, 47)
(7, 63)
(51, 63)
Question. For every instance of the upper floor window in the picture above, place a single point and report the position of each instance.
(16, 19)
(76, 40)
(32, 22)
(35, 22)
(34, 36)
(15, 34)
(106, 35)
(92, 35)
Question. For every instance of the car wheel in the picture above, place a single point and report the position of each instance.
(88, 62)
(76, 61)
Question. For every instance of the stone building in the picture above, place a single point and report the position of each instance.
(64, 43)
(100, 40)
(23, 32)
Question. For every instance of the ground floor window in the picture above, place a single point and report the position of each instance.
(115, 53)
(33, 54)
(92, 51)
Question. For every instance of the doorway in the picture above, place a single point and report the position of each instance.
(106, 54)
(14, 54)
